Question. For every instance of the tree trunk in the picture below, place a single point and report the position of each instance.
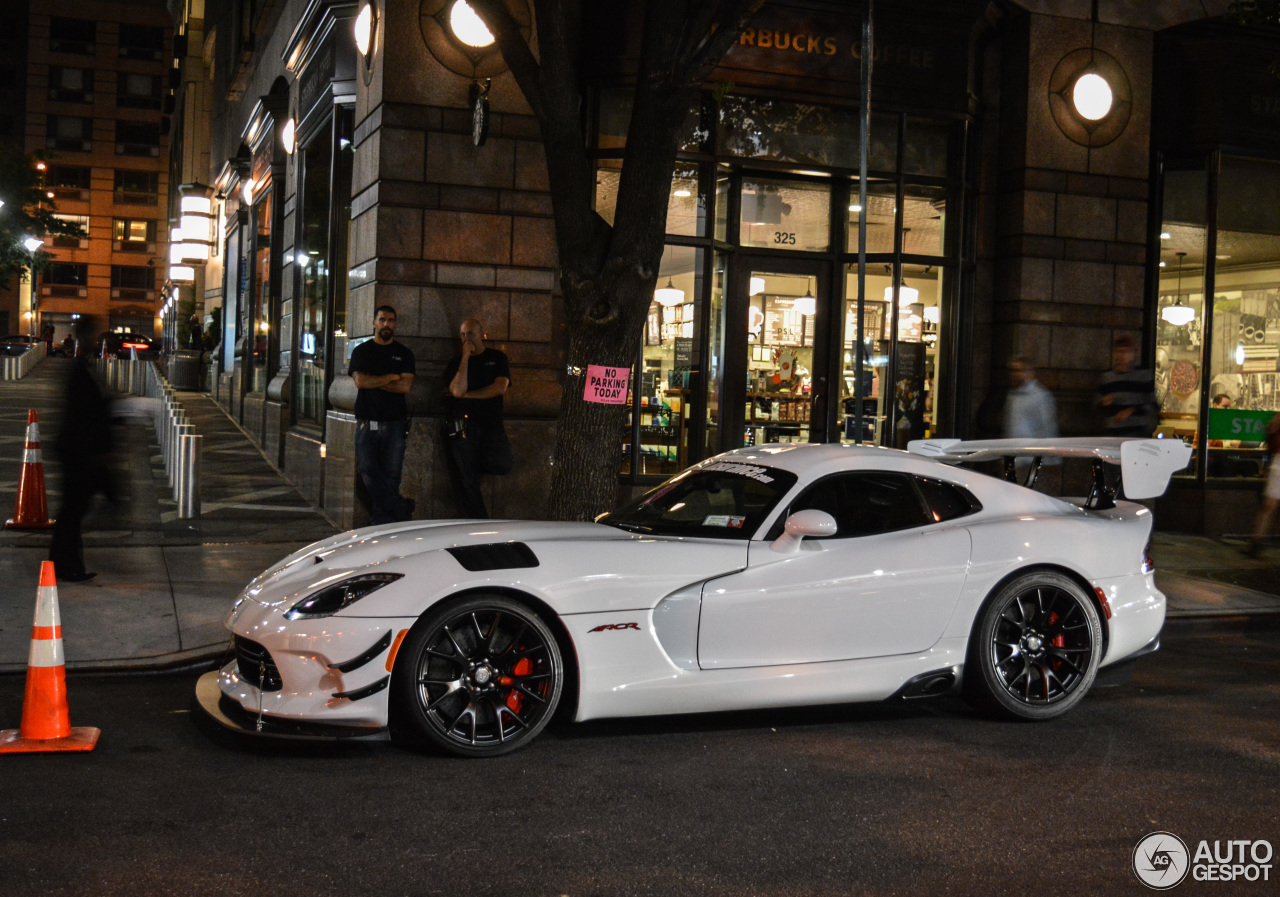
(589, 435)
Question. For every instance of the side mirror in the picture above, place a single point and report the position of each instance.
(801, 524)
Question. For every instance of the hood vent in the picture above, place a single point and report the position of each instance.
(494, 556)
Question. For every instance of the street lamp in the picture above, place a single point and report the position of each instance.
(31, 244)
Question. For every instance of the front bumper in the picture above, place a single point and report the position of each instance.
(331, 671)
(230, 715)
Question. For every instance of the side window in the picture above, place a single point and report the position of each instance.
(866, 503)
(946, 501)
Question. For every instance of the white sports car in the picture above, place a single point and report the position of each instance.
(764, 577)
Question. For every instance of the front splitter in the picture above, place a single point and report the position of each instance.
(230, 715)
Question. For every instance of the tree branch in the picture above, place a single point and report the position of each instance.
(515, 50)
(715, 41)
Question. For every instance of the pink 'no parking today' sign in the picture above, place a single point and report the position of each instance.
(606, 385)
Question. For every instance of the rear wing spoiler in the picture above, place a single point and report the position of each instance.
(1145, 464)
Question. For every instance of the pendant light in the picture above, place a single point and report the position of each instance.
(806, 304)
(668, 296)
(1179, 315)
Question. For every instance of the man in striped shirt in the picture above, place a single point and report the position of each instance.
(1126, 395)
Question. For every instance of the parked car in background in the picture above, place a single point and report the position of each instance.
(126, 345)
(16, 344)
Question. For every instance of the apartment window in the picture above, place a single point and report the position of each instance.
(137, 138)
(133, 234)
(68, 182)
(66, 274)
(70, 85)
(73, 36)
(139, 188)
(141, 42)
(133, 277)
(135, 91)
(70, 133)
(73, 242)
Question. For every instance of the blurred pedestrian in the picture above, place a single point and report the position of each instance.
(1029, 410)
(82, 447)
(195, 335)
(477, 377)
(1126, 395)
(383, 370)
(1270, 494)
(1222, 400)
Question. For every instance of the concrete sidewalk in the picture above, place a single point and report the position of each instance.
(165, 585)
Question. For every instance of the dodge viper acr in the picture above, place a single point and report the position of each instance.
(763, 577)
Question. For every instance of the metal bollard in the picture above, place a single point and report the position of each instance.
(180, 432)
(187, 486)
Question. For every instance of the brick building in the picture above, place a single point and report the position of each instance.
(94, 80)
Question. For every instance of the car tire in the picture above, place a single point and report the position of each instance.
(1035, 648)
(480, 677)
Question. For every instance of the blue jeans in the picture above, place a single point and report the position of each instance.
(379, 460)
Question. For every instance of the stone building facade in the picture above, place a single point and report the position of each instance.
(1000, 222)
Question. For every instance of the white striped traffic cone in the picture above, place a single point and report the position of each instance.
(46, 721)
(30, 510)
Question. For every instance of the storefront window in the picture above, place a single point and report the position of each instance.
(925, 151)
(783, 131)
(881, 209)
(785, 215)
(716, 351)
(892, 414)
(1178, 357)
(722, 204)
(312, 269)
(670, 355)
(1244, 383)
(261, 289)
(686, 202)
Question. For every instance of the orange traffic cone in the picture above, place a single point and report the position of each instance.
(30, 511)
(46, 722)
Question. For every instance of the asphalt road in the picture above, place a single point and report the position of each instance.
(926, 798)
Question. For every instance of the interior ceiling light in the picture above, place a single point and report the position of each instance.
(855, 208)
(467, 27)
(1092, 96)
(1178, 315)
(668, 296)
(1240, 354)
(757, 286)
(1165, 235)
(683, 191)
(364, 29)
(906, 295)
(806, 304)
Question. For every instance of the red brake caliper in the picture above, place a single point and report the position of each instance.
(515, 700)
(1058, 641)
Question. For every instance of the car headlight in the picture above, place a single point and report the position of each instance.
(334, 598)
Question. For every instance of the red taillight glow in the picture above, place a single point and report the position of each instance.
(136, 346)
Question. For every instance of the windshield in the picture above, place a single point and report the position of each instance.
(723, 500)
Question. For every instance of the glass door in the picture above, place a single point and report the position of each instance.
(784, 344)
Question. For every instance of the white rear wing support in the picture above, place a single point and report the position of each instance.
(1145, 464)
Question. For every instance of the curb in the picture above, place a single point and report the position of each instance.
(191, 660)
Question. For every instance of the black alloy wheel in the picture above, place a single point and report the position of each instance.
(479, 678)
(1035, 650)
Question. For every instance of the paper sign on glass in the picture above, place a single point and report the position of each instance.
(606, 385)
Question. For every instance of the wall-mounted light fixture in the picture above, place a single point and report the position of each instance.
(459, 40)
(467, 26)
(1090, 96)
(365, 27)
(289, 136)
(246, 191)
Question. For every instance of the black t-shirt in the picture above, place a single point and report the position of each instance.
(375, 360)
(482, 370)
